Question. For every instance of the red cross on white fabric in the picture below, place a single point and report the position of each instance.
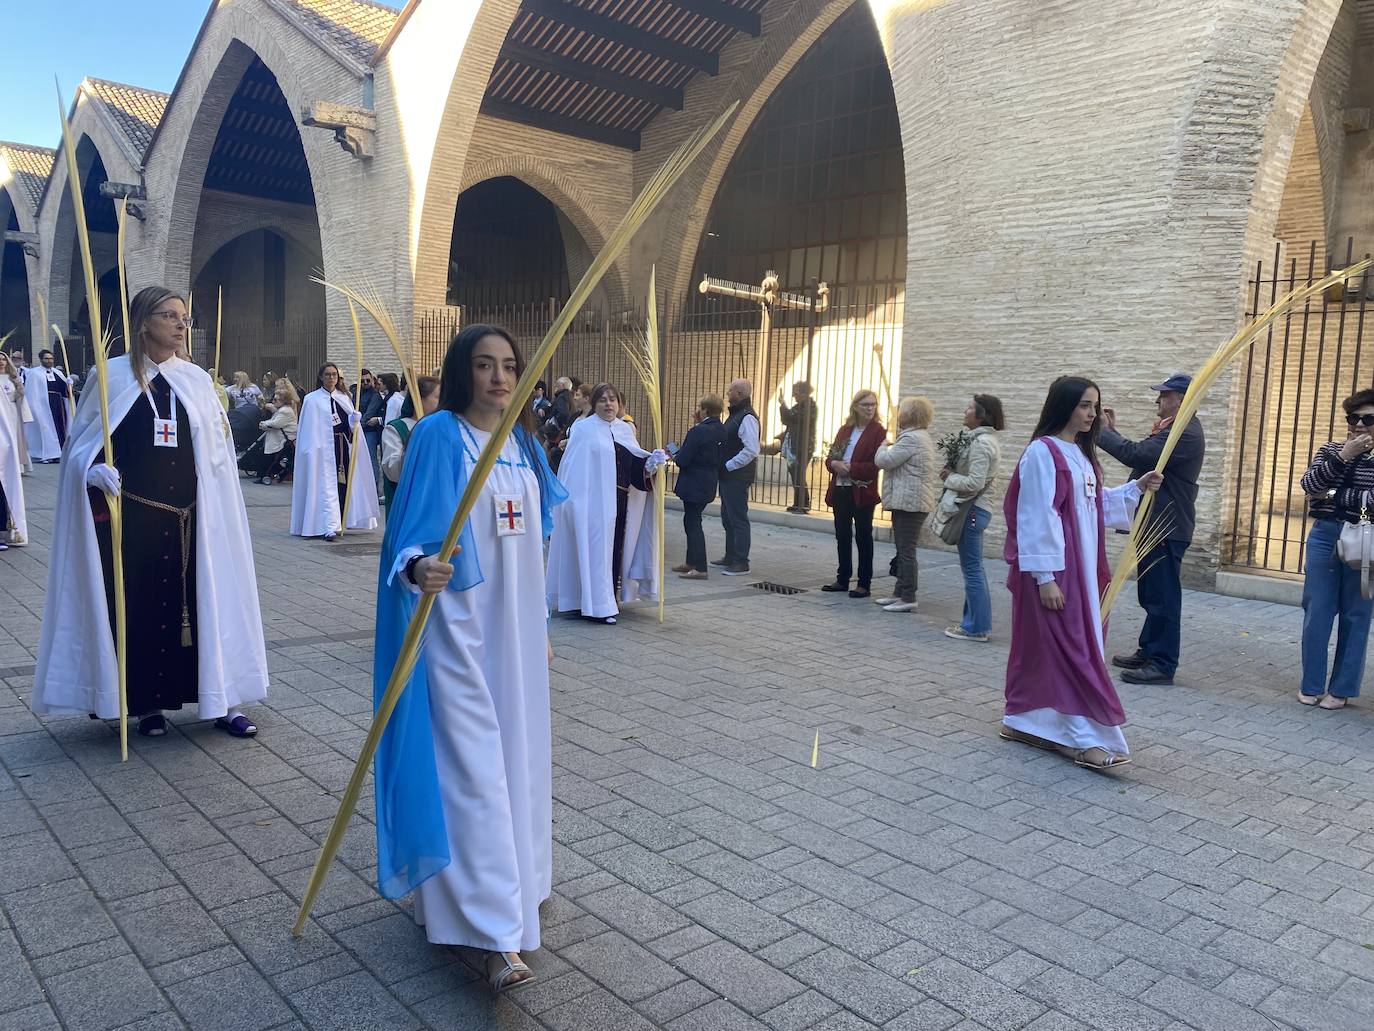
(511, 515)
(166, 430)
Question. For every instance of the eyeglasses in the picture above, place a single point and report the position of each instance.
(1359, 420)
(171, 316)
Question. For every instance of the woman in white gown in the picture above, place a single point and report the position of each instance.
(16, 409)
(604, 548)
(319, 474)
(1059, 694)
(464, 770)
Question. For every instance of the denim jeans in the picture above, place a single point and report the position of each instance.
(977, 601)
(1160, 592)
(734, 518)
(1331, 593)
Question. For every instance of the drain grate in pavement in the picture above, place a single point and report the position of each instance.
(356, 549)
(772, 588)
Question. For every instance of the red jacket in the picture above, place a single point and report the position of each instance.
(861, 465)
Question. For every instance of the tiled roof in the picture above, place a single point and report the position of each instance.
(31, 167)
(136, 110)
(356, 27)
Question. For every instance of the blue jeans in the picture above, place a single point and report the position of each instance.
(977, 601)
(1331, 593)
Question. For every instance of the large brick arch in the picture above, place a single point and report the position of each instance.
(573, 202)
(56, 216)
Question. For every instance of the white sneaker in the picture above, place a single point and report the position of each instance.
(886, 601)
(900, 606)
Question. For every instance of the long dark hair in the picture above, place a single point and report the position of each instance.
(428, 384)
(1060, 403)
(141, 309)
(319, 376)
(455, 383)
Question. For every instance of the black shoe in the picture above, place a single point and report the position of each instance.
(836, 587)
(859, 592)
(738, 569)
(795, 510)
(722, 562)
(1147, 674)
(1133, 661)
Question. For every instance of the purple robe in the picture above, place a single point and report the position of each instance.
(1055, 661)
(59, 390)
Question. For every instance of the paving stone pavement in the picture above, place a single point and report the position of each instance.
(925, 875)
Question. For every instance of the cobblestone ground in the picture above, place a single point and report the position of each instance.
(925, 875)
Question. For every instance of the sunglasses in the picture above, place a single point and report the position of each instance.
(1359, 420)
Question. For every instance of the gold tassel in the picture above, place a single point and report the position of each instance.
(185, 629)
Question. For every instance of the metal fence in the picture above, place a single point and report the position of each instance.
(299, 346)
(1291, 388)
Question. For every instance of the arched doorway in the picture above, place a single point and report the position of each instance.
(14, 286)
(102, 229)
(257, 238)
(509, 248)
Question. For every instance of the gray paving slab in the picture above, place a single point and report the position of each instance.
(923, 875)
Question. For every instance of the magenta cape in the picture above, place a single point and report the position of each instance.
(1055, 662)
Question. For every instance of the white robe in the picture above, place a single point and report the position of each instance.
(315, 501)
(1040, 543)
(12, 465)
(486, 658)
(76, 671)
(15, 408)
(42, 434)
(393, 406)
(582, 548)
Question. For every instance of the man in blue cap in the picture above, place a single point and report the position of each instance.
(1159, 585)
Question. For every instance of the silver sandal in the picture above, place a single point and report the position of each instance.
(503, 975)
(1109, 760)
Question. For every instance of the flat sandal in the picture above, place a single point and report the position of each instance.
(503, 975)
(1109, 760)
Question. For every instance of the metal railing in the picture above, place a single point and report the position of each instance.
(1291, 387)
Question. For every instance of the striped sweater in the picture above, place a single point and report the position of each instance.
(1335, 488)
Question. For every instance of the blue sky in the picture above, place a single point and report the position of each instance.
(76, 38)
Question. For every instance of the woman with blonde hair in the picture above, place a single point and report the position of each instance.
(853, 491)
(14, 407)
(195, 629)
(908, 492)
(269, 459)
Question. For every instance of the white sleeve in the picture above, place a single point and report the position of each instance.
(1039, 529)
(749, 437)
(1119, 504)
(398, 568)
(393, 454)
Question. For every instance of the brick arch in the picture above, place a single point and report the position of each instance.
(571, 200)
(209, 244)
(1302, 215)
(56, 218)
(780, 49)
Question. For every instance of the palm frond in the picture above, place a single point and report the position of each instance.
(369, 298)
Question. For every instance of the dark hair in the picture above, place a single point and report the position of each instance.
(574, 381)
(1060, 403)
(989, 411)
(389, 380)
(46, 352)
(541, 385)
(600, 391)
(455, 390)
(319, 376)
(365, 372)
(1358, 400)
(802, 387)
(428, 384)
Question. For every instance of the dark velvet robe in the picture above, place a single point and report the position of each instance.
(343, 442)
(58, 392)
(629, 475)
(161, 672)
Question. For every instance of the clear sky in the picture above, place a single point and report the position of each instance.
(73, 39)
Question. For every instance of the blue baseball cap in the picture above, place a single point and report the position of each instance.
(1178, 383)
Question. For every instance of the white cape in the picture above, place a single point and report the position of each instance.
(315, 500)
(42, 434)
(76, 671)
(15, 407)
(12, 470)
(583, 542)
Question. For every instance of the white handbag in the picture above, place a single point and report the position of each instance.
(1356, 546)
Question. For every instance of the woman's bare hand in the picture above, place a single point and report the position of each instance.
(431, 575)
(1151, 481)
(1051, 596)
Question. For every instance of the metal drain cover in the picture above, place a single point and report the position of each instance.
(772, 588)
(356, 549)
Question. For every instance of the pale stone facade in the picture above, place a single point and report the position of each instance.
(1087, 183)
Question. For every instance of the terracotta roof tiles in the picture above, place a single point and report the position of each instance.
(356, 27)
(136, 110)
(31, 167)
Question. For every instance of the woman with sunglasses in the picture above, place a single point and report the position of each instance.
(1339, 485)
(190, 591)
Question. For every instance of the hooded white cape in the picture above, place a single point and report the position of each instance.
(315, 500)
(582, 546)
(42, 434)
(12, 469)
(76, 670)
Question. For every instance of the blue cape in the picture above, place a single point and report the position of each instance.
(412, 838)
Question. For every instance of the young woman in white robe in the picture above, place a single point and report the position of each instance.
(14, 527)
(44, 447)
(194, 638)
(605, 544)
(464, 769)
(1059, 694)
(319, 475)
(14, 408)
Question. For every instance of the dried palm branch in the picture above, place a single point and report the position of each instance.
(219, 326)
(643, 351)
(358, 407)
(102, 385)
(639, 212)
(1202, 382)
(124, 280)
(370, 300)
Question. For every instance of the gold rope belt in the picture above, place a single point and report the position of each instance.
(184, 526)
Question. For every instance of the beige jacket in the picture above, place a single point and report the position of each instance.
(278, 429)
(909, 472)
(976, 473)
